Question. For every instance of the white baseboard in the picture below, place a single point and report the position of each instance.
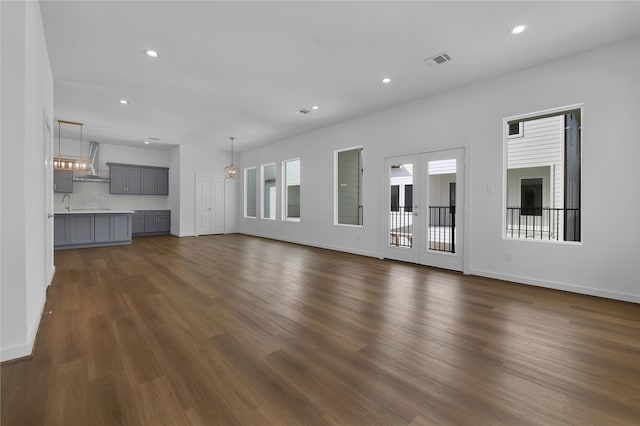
(26, 349)
(556, 285)
(180, 235)
(323, 246)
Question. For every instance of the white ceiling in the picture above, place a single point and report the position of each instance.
(243, 68)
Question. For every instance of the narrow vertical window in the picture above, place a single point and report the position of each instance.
(250, 192)
(268, 191)
(348, 199)
(543, 176)
(291, 203)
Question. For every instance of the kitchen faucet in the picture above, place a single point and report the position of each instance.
(67, 205)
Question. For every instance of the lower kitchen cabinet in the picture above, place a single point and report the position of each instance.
(91, 230)
(112, 227)
(151, 222)
(137, 222)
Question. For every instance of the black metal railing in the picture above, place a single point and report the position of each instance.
(442, 228)
(401, 226)
(546, 223)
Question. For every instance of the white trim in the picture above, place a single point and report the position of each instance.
(285, 193)
(261, 198)
(26, 349)
(556, 285)
(316, 245)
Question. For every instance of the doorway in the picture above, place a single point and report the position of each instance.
(209, 205)
(425, 208)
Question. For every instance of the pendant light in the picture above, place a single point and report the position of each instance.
(69, 162)
(231, 171)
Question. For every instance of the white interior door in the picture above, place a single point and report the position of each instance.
(209, 204)
(425, 208)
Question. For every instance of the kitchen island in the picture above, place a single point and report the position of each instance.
(80, 228)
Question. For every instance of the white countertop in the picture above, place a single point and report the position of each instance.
(94, 211)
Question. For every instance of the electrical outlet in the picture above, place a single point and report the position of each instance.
(508, 256)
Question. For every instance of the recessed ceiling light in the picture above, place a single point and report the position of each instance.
(124, 102)
(386, 80)
(518, 29)
(315, 107)
(147, 142)
(151, 53)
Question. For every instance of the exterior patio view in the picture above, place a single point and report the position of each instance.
(543, 178)
(441, 233)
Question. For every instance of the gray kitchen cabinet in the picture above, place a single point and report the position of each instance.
(112, 227)
(125, 179)
(155, 180)
(63, 181)
(121, 227)
(60, 230)
(91, 230)
(137, 222)
(154, 222)
(103, 228)
(142, 180)
(81, 228)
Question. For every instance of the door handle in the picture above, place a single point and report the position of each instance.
(49, 216)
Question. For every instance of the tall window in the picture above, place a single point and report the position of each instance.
(291, 202)
(268, 191)
(348, 196)
(543, 176)
(250, 192)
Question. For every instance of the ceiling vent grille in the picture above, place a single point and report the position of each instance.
(438, 59)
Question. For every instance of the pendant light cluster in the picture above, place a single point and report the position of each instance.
(69, 162)
(231, 171)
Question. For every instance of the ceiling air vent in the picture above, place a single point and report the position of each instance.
(438, 59)
(303, 111)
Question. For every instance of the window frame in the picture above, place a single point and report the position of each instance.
(336, 183)
(246, 180)
(564, 110)
(285, 190)
(262, 188)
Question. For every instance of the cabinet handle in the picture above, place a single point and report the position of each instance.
(55, 186)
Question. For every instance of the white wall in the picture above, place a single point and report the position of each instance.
(206, 161)
(174, 189)
(605, 80)
(27, 97)
(96, 194)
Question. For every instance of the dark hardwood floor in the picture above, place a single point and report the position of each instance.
(241, 330)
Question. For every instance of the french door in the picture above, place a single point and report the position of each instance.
(425, 208)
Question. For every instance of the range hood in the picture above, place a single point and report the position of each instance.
(92, 174)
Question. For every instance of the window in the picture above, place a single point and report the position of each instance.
(250, 192)
(395, 198)
(543, 176)
(348, 196)
(516, 130)
(408, 198)
(291, 202)
(268, 173)
(531, 197)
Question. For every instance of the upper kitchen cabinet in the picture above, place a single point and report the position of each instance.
(63, 181)
(141, 180)
(125, 179)
(155, 180)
